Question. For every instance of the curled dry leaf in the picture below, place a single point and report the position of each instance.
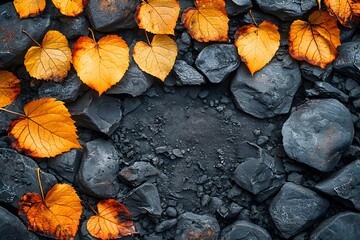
(70, 8)
(56, 216)
(9, 88)
(315, 41)
(50, 60)
(29, 8)
(356, 9)
(257, 45)
(158, 16)
(101, 65)
(342, 9)
(158, 58)
(112, 221)
(208, 21)
(45, 130)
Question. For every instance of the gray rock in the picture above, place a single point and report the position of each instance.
(102, 114)
(138, 173)
(315, 73)
(99, 168)
(348, 60)
(344, 225)
(244, 230)
(14, 43)
(18, 177)
(6, 118)
(193, 226)
(73, 27)
(11, 228)
(235, 7)
(259, 17)
(67, 164)
(325, 90)
(186, 74)
(217, 61)
(165, 225)
(318, 133)
(295, 208)
(270, 91)
(344, 185)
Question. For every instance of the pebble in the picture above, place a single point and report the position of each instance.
(348, 60)
(186, 74)
(67, 164)
(138, 173)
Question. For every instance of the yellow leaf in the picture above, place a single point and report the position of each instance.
(29, 8)
(70, 8)
(158, 16)
(9, 88)
(257, 45)
(158, 58)
(342, 9)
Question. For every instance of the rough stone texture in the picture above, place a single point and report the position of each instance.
(344, 225)
(73, 27)
(325, 90)
(67, 164)
(318, 133)
(344, 185)
(11, 228)
(234, 7)
(101, 114)
(138, 173)
(217, 61)
(348, 60)
(295, 208)
(98, 170)
(244, 230)
(270, 91)
(315, 73)
(194, 226)
(5, 118)
(18, 177)
(14, 43)
(186, 74)
(111, 15)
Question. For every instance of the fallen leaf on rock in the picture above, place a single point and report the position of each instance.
(70, 8)
(257, 45)
(45, 130)
(342, 9)
(112, 221)
(29, 8)
(315, 41)
(9, 88)
(158, 58)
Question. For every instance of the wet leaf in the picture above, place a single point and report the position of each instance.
(342, 9)
(29, 8)
(70, 8)
(9, 88)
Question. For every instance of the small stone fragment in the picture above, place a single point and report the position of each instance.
(348, 60)
(67, 164)
(186, 74)
(138, 173)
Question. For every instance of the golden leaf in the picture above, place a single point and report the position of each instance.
(9, 88)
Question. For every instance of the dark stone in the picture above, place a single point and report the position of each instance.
(235, 7)
(99, 168)
(344, 185)
(11, 228)
(315, 73)
(18, 177)
(259, 17)
(14, 43)
(186, 74)
(295, 208)
(193, 226)
(165, 225)
(348, 60)
(270, 91)
(217, 61)
(325, 90)
(111, 15)
(6, 118)
(67, 164)
(101, 114)
(144, 199)
(73, 27)
(244, 230)
(344, 225)
(138, 173)
(318, 133)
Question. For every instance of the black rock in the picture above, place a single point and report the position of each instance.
(295, 208)
(344, 225)
(14, 43)
(99, 168)
(244, 230)
(344, 185)
(109, 16)
(217, 61)
(138, 173)
(259, 17)
(318, 133)
(165, 225)
(6, 118)
(315, 73)
(325, 90)
(235, 7)
(101, 114)
(270, 91)
(11, 228)
(186, 74)
(193, 226)
(67, 164)
(348, 60)
(73, 27)
(18, 177)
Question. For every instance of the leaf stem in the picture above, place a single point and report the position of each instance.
(9, 111)
(92, 34)
(147, 37)
(92, 209)
(40, 185)
(252, 17)
(27, 34)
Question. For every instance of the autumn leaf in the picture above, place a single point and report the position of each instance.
(342, 9)
(315, 41)
(45, 130)
(70, 8)
(158, 58)
(9, 88)
(29, 8)
(158, 16)
(57, 216)
(51, 59)
(208, 21)
(112, 221)
(101, 65)
(257, 45)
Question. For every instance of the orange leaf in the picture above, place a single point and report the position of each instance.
(9, 88)
(315, 41)
(113, 221)
(208, 21)
(103, 64)
(356, 8)
(342, 9)
(158, 16)
(57, 216)
(46, 129)
(158, 58)
(50, 60)
(70, 8)
(257, 45)
(29, 8)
